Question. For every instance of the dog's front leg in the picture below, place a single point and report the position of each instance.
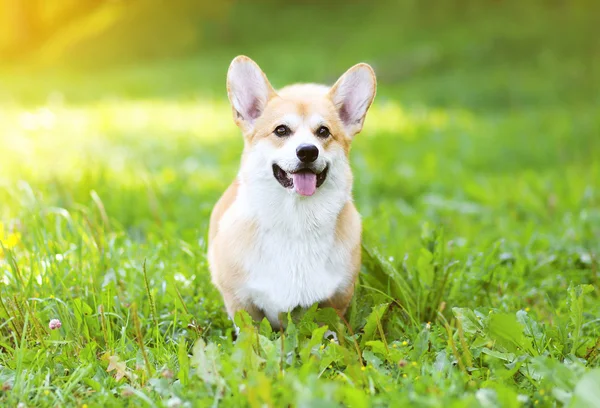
(340, 300)
(233, 305)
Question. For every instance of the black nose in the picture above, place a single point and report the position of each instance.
(307, 153)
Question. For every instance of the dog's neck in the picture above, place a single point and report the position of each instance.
(274, 208)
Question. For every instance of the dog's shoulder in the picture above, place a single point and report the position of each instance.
(226, 200)
(348, 227)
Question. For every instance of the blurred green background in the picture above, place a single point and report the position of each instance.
(117, 139)
(481, 104)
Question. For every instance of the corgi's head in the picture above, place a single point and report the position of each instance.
(297, 139)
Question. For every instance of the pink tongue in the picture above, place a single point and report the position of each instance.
(305, 183)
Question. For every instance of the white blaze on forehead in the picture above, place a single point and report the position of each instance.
(305, 134)
(302, 129)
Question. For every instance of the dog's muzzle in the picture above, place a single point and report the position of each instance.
(304, 179)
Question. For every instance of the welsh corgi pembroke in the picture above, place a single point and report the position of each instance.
(286, 233)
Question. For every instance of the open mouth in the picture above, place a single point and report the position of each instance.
(305, 180)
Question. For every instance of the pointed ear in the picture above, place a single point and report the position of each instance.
(249, 91)
(352, 95)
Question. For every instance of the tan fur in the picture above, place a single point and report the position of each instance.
(348, 225)
(226, 273)
(220, 208)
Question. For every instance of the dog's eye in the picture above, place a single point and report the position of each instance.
(323, 132)
(282, 130)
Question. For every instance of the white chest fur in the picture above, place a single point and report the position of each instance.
(284, 273)
(296, 259)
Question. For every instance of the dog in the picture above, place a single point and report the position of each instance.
(286, 233)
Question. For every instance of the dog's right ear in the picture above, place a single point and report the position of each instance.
(249, 91)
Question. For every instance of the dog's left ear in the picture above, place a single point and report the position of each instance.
(249, 91)
(352, 95)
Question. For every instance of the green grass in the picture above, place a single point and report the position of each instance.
(477, 176)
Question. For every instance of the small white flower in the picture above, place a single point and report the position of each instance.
(333, 335)
(54, 324)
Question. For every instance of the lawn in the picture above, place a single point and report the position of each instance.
(477, 176)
